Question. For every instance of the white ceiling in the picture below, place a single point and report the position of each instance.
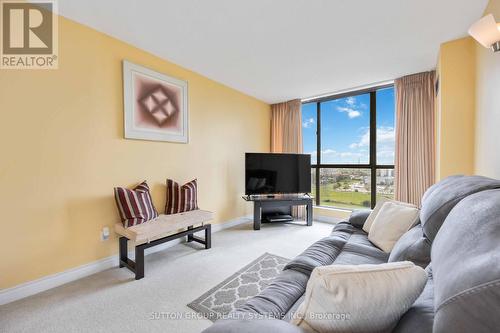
(278, 50)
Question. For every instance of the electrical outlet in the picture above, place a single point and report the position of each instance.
(104, 234)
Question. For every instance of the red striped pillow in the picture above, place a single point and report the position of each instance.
(181, 199)
(135, 206)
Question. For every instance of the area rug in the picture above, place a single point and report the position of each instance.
(239, 287)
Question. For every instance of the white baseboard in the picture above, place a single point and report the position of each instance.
(51, 281)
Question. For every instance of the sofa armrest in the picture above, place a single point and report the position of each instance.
(252, 326)
(358, 217)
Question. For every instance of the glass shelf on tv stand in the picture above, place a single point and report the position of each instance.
(276, 197)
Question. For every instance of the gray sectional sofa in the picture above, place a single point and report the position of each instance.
(457, 241)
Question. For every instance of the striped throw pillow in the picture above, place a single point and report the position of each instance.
(181, 198)
(135, 206)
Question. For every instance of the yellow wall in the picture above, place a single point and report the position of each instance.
(455, 110)
(487, 155)
(63, 151)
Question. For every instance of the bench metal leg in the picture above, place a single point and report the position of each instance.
(207, 241)
(208, 236)
(139, 262)
(137, 266)
(123, 251)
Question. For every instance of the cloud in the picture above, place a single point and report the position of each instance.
(385, 153)
(351, 106)
(348, 154)
(330, 152)
(364, 141)
(358, 151)
(385, 136)
(385, 145)
(333, 156)
(308, 123)
(351, 113)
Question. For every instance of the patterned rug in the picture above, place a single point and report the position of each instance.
(239, 287)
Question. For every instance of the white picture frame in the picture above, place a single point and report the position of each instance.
(155, 105)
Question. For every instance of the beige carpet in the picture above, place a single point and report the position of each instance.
(112, 301)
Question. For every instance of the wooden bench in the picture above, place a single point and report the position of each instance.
(162, 229)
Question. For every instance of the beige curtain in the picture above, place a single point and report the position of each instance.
(286, 133)
(415, 142)
(286, 127)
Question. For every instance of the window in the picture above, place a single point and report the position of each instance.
(351, 141)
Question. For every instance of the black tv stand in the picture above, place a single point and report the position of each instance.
(261, 201)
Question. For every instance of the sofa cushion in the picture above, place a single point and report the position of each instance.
(465, 257)
(345, 246)
(322, 252)
(441, 197)
(359, 298)
(293, 310)
(361, 238)
(356, 254)
(420, 317)
(392, 221)
(412, 246)
(253, 325)
(277, 298)
(359, 249)
(344, 227)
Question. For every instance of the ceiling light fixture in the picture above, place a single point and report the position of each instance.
(487, 32)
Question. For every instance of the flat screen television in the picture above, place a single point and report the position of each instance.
(269, 173)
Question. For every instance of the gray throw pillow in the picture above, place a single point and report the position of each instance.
(358, 217)
(412, 246)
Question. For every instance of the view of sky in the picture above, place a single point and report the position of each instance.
(345, 136)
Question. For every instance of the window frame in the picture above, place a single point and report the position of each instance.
(372, 165)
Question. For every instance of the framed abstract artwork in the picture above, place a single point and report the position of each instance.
(155, 105)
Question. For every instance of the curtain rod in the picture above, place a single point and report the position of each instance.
(344, 91)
